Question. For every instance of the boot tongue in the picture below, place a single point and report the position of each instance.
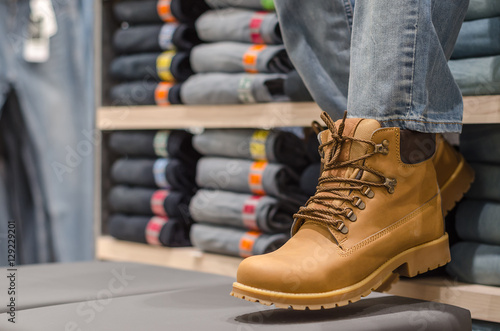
(353, 127)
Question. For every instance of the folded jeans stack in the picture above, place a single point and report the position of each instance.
(160, 48)
(243, 59)
(249, 190)
(310, 175)
(153, 186)
(475, 62)
(477, 258)
(153, 48)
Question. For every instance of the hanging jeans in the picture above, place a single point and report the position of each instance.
(396, 70)
(47, 132)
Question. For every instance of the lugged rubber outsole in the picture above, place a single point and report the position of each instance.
(410, 263)
(456, 186)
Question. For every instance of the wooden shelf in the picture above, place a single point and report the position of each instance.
(266, 115)
(188, 258)
(482, 301)
(482, 109)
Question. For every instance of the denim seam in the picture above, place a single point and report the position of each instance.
(410, 103)
(348, 13)
(419, 121)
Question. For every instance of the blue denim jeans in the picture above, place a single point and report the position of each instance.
(392, 67)
(478, 38)
(482, 9)
(49, 190)
(475, 263)
(481, 143)
(485, 185)
(477, 76)
(477, 220)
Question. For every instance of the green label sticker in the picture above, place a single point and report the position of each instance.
(267, 4)
(160, 143)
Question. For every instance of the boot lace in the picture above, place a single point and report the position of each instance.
(333, 215)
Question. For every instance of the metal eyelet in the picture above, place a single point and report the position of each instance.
(367, 191)
(359, 203)
(390, 183)
(321, 153)
(342, 228)
(349, 213)
(382, 148)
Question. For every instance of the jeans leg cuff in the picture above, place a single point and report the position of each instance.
(421, 125)
(424, 126)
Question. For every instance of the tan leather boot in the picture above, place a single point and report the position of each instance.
(372, 218)
(454, 174)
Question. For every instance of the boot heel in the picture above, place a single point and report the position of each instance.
(426, 257)
(456, 186)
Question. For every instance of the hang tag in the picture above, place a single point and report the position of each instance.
(44, 8)
(37, 46)
(42, 25)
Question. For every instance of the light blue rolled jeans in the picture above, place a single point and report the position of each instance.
(381, 59)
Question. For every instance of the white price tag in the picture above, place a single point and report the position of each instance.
(44, 8)
(42, 25)
(37, 50)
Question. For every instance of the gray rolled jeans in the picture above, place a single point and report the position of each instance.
(485, 185)
(268, 145)
(482, 9)
(481, 143)
(228, 241)
(247, 176)
(241, 25)
(475, 263)
(479, 221)
(244, 211)
(477, 76)
(229, 57)
(223, 88)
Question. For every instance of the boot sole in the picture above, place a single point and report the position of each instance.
(409, 263)
(456, 186)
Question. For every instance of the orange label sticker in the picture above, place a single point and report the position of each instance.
(163, 9)
(251, 56)
(255, 177)
(161, 93)
(246, 243)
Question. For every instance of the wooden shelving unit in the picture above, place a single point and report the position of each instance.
(483, 109)
(482, 301)
(224, 116)
(188, 258)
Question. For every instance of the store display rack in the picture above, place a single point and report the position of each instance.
(482, 301)
(482, 109)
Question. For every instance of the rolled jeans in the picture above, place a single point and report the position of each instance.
(478, 38)
(385, 60)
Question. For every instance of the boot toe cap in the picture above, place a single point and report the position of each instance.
(272, 273)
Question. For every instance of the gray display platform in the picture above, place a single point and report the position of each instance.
(185, 300)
